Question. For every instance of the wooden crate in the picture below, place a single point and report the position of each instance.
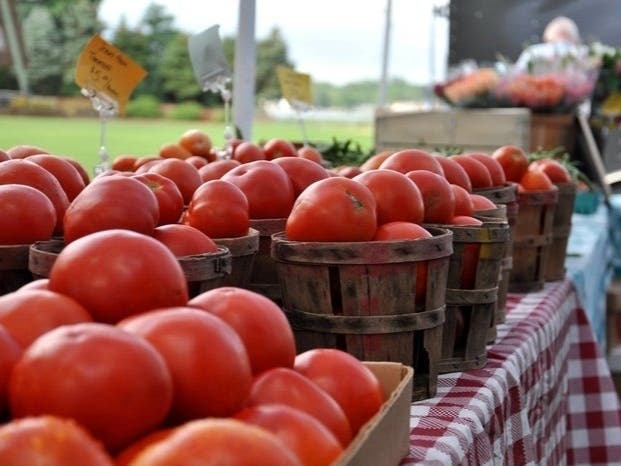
(470, 130)
(243, 251)
(561, 228)
(204, 272)
(366, 298)
(14, 271)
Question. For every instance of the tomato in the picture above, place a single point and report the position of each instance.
(463, 201)
(513, 160)
(437, 194)
(21, 151)
(334, 209)
(124, 163)
(171, 150)
(396, 196)
(197, 161)
(477, 172)
(466, 220)
(535, 180)
(184, 175)
(197, 143)
(302, 172)
(346, 171)
(247, 152)
(493, 166)
(210, 371)
(266, 185)
(214, 442)
(50, 441)
(30, 174)
(81, 170)
(286, 386)
(184, 240)
(129, 453)
(112, 202)
(400, 230)
(141, 161)
(117, 273)
(215, 170)
(10, 352)
(555, 170)
(481, 203)
(169, 198)
(375, 160)
(354, 387)
(310, 153)
(38, 284)
(26, 215)
(66, 174)
(219, 209)
(113, 383)
(4, 156)
(277, 147)
(412, 159)
(258, 320)
(312, 442)
(454, 173)
(28, 314)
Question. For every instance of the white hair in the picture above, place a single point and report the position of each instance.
(562, 29)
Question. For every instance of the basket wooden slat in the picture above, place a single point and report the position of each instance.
(561, 228)
(264, 277)
(243, 251)
(14, 271)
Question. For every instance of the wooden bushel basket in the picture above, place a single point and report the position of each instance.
(243, 251)
(532, 237)
(14, 271)
(206, 271)
(471, 294)
(561, 228)
(362, 298)
(42, 256)
(264, 278)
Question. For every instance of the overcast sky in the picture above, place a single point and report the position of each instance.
(338, 41)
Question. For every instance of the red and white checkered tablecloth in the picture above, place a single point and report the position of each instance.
(545, 397)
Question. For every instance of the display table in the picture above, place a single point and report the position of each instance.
(546, 395)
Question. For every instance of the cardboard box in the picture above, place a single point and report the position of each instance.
(385, 439)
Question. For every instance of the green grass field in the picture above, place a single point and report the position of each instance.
(79, 138)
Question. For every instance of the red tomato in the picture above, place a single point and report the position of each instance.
(334, 209)
(513, 160)
(312, 442)
(10, 352)
(346, 171)
(219, 209)
(493, 166)
(286, 386)
(215, 170)
(4, 156)
(466, 220)
(26, 215)
(21, 151)
(28, 314)
(412, 159)
(535, 180)
(197, 161)
(142, 161)
(266, 185)
(302, 172)
(310, 153)
(477, 172)
(278, 147)
(50, 441)
(171, 150)
(481, 203)
(131, 452)
(214, 442)
(117, 273)
(354, 387)
(454, 173)
(78, 166)
(38, 284)
(112, 202)
(124, 163)
(555, 170)
(31, 174)
(258, 320)
(210, 371)
(184, 240)
(167, 195)
(400, 230)
(196, 142)
(437, 195)
(113, 383)
(184, 175)
(66, 174)
(375, 160)
(396, 196)
(463, 201)
(248, 152)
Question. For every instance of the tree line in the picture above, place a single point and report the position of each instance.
(55, 32)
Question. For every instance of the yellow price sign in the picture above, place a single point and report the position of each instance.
(106, 71)
(612, 105)
(295, 87)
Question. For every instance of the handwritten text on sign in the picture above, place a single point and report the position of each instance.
(295, 87)
(104, 69)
